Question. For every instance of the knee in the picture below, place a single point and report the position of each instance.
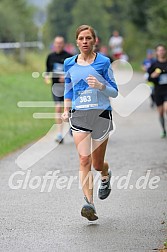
(85, 161)
(58, 109)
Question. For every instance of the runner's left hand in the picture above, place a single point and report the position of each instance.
(93, 82)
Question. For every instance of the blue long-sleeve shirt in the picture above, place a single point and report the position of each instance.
(77, 88)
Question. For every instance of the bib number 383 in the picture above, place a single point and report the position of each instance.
(86, 99)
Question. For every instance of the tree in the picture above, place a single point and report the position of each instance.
(142, 23)
(157, 20)
(60, 17)
(16, 18)
(136, 12)
(116, 10)
(90, 12)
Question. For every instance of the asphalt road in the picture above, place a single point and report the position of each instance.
(132, 219)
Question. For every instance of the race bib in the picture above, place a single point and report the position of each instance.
(163, 79)
(58, 69)
(86, 99)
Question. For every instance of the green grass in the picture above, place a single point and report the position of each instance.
(18, 127)
(136, 65)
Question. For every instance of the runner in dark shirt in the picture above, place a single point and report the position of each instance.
(158, 75)
(147, 62)
(54, 70)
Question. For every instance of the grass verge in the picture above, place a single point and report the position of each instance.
(18, 127)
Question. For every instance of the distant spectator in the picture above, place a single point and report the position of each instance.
(115, 44)
(101, 49)
(147, 62)
(70, 48)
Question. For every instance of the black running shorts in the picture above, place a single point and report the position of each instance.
(160, 98)
(58, 92)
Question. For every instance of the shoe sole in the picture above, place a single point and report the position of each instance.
(89, 213)
(60, 142)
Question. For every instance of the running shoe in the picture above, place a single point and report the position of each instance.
(105, 187)
(59, 139)
(88, 211)
(163, 134)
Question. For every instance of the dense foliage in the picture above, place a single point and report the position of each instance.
(16, 21)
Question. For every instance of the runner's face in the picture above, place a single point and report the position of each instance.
(161, 52)
(85, 41)
(58, 45)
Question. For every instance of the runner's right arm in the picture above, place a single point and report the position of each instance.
(48, 70)
(153, 73)
(68, 93)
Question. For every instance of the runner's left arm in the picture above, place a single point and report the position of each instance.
(111, 89)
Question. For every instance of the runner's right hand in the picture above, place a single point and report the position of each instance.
(156, 73)
(47, 80)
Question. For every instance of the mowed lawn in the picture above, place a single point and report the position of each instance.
(17, 125)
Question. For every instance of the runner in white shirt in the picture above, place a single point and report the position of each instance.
(115, 44)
